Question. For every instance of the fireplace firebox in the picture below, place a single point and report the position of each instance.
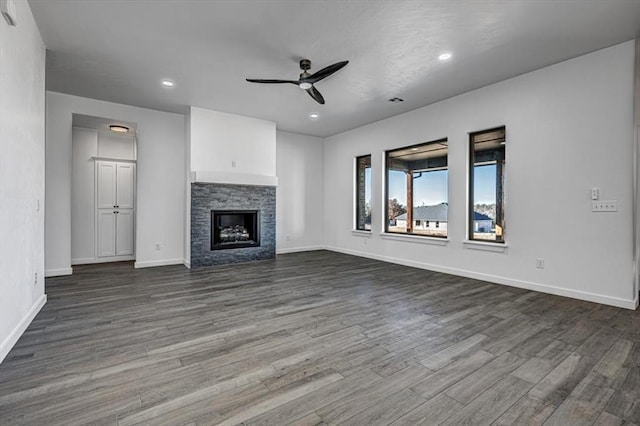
(231, 229)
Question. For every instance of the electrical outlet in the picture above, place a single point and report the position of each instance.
(234, 164)
(158, 246)
(540, 263)
(595, 193)
(604, 206)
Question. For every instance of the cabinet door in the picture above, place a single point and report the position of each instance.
(106, 187)
(125, 176)
(106, 232)
(124, 232)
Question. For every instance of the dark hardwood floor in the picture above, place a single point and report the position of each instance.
(317, 338)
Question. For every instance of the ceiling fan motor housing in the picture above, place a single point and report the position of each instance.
(305, 64)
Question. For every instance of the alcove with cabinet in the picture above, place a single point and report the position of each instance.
(103, 192)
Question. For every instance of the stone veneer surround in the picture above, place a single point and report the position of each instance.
(219, 196)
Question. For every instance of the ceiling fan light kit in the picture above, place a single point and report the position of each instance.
(306, 81)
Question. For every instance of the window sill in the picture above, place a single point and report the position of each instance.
(361, 233)
(485, 246)
(415, 239)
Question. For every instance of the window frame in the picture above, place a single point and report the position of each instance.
(500, 186)
(385, 228)
(358, 188)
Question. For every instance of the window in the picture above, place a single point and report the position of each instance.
(363, 193)
(417, 189)
(486, 185)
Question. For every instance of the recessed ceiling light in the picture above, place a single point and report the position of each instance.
(396, 100)
(314, 116)
(445, 56)
(118, 128)
(414, 149)
(168, 83)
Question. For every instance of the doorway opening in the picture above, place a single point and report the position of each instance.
(103, 190)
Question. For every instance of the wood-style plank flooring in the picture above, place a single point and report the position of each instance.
(317, 338)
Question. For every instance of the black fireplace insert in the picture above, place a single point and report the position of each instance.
(231, 229)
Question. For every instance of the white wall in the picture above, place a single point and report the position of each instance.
(187, 190)
(218, 140)
(569, 128)
(22, 114)
(84, 146)
(160, 180)
(119, 147)
(300, 193)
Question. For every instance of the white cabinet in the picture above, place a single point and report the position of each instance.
(106, 233)
(115, 209)
(124, 232)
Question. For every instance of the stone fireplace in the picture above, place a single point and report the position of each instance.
(232, 223)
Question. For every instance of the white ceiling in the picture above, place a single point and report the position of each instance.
(102, 124)
(120, 50)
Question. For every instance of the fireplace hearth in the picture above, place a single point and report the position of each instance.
(232, 229)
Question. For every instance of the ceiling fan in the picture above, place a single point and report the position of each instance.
(306, 80)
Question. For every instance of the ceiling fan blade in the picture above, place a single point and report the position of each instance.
(256, 80)
(325, 72)
(313, 92)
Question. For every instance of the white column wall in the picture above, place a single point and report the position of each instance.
(22, 112)
(300, 193)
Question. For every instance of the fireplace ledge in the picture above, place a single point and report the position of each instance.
(233, 178)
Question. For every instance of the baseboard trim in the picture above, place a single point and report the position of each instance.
(58, 272)
(528, 285)
(18, 331)
(89, 261)
(83, 261)
(186, 263)
(154, 263)
(299, 249)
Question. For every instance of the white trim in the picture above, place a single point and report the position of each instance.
(528, 285)
(108, 259)
(19, 329)
(361, 233)
(58, 272)
(120, 160)
(485, 246)
(298, 249)
(186, 263)
(83, 261)
(154, 263)
(415, 239)
(233, 178)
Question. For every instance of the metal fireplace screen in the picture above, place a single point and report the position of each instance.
(231, 229)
